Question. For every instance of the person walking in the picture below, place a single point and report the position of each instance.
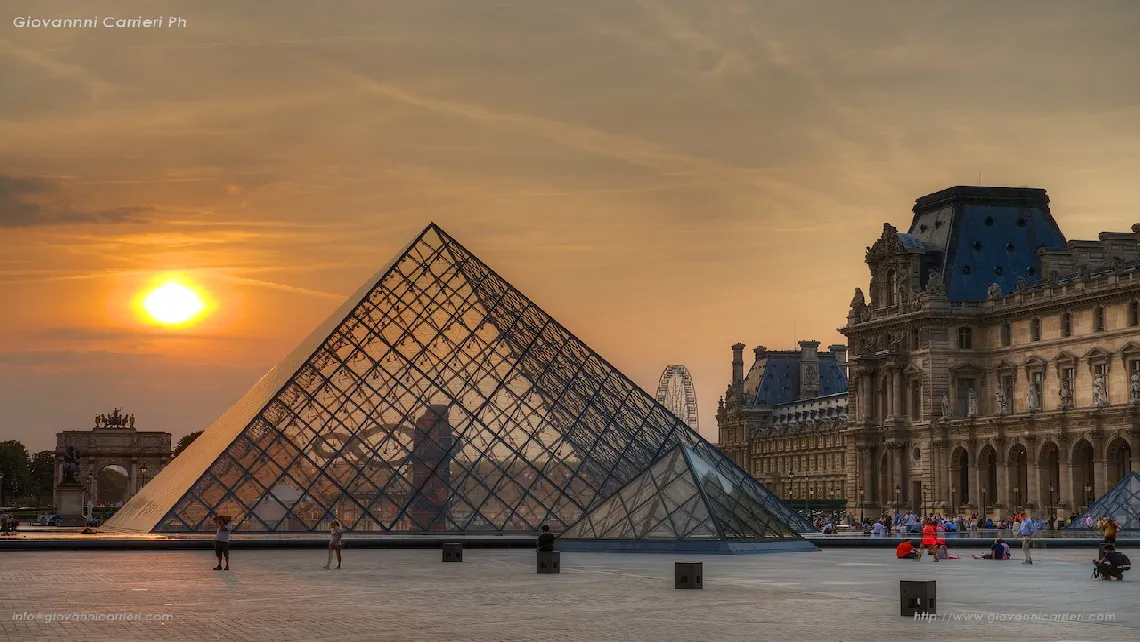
(222, 540)
(336, 543)
(1026, 531)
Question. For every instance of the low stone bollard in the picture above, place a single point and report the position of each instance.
(549, 562)
(688, 575)
(917, 597)
(453, 552)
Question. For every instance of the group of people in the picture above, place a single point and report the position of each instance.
(8, 523)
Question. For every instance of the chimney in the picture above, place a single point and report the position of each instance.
(840, 352)
(737, 364)
(760, 352)
(809, 369)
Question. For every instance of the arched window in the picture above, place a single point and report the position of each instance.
(1066, 324)
(1035, 330)
(1098, 319)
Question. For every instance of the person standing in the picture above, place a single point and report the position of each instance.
(336, 543)
(929, 541)
(1026, 531)
(222, 540)
(1110, 529)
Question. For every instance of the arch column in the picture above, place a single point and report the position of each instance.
(1032, 479)
(1100, 474)
(896, 394)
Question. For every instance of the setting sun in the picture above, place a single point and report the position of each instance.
(173, 304)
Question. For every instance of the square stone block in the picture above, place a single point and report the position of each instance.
(549, 562)
(917, 597)
(689, 575)
(453, 552)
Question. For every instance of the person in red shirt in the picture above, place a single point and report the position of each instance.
(929, 541)
(906, 551)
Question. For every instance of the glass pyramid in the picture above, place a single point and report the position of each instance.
(437, 399)
(1121, 503)
(690, 494)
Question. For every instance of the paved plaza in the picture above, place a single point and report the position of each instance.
(495, 594)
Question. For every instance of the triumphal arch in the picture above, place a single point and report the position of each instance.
(113, 442)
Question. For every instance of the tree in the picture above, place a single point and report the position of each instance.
(41, 483)
(14, 466)
(185, 441)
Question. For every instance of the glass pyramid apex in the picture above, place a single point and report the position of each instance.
(693, 492)
(1121, 503)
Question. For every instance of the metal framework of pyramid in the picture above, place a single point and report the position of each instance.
(436, 399)
(1121, 503)
(692, 495)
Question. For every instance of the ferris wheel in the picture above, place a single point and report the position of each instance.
(675, 391)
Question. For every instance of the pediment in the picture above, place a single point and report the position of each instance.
(1005, 365)
(1097, 353)
(965, 369)
(1130, 348)
(912, 371)
(1034, 362)
(1064, 357)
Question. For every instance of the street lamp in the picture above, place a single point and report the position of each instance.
(811, 496)
(898, 497)
(1016, 497)
(1088, 494)
(862, 497)
(1, 489)
(1052, 512)
(953, 502)
(985, 498)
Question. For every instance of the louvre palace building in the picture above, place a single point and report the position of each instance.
(994, 366)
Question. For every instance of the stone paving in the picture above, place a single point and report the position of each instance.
(839, 594)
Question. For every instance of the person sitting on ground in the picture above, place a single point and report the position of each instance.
(545, 540)
(944, 553)
(1112, 564)
(879, 530)
(907, 551)
(999, 550)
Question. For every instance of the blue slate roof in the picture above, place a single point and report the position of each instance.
(986, 235)
(780, 382)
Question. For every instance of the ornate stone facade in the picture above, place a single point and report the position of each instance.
(113, 442)
(995, 367)
(785, 420)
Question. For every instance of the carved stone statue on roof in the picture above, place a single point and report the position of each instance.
(993, 291)
(935, 286)
(858, 305)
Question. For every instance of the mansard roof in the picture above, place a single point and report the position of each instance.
(985, 235)
(780, 380)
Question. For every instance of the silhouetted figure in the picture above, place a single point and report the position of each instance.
(546, 540)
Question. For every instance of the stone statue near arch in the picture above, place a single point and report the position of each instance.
(971, 404)
(1134, 388)
(1002, 402)
(1066, 394)
(947, 411)
(1100, 393)
(1032, 397)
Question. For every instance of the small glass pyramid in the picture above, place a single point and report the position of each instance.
(690, 494)
(1121, 503)
(438, 399)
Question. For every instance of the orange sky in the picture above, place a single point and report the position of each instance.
(665, 178)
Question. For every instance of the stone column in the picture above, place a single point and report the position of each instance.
(1065, 483)
(133, 482)
(1100, 476)
(898, 477)
(1135, 449)
(1032, 494)
(896, 394)
(1002, 493)
(979, 498)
